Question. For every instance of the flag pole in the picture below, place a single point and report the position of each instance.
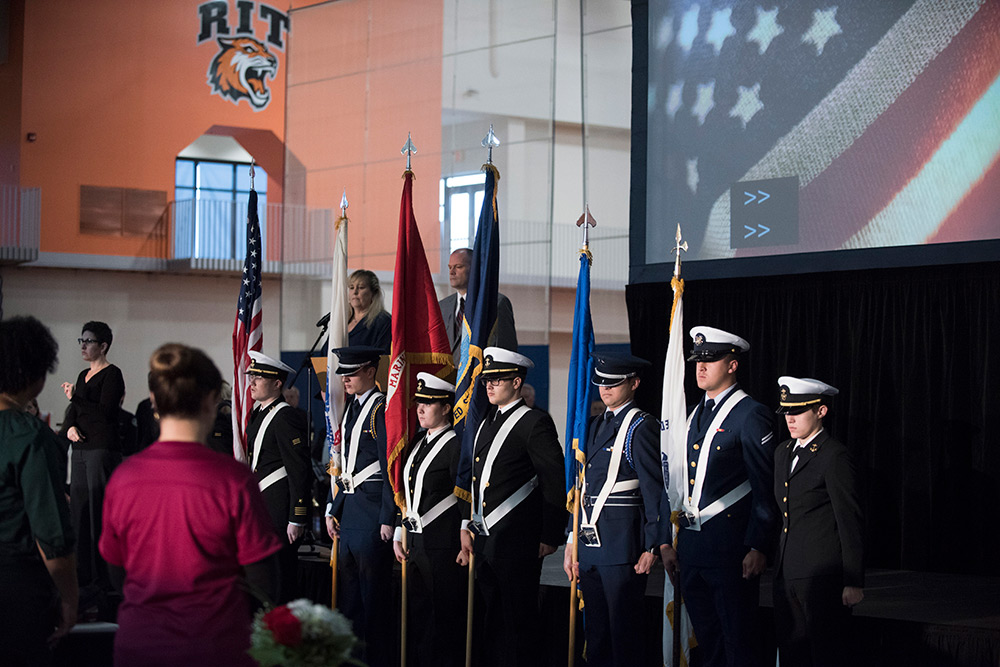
(337, 464)
(678, 601)
(574, 585)
(586, 221)
(408, 150)
(489, 142)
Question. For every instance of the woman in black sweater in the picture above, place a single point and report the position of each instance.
(92, 426)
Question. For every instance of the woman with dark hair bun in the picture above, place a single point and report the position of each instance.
(183, 526)
(36, 540)
(91, 424)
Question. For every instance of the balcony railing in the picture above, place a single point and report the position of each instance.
(211, 235)
(20, 223)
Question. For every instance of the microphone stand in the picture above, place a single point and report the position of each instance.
(307, 364)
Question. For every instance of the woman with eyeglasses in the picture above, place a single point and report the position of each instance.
(91, 425)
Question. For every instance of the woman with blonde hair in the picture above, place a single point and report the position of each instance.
(370, 323)
(183, 527)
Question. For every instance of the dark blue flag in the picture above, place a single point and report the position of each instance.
(581, 365)
(471, 402)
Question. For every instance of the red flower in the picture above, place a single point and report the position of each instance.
(286, 628)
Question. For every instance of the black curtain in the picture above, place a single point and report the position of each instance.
(915, 353)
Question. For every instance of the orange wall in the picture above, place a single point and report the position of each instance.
(10, 99)
(114, 90)
(362, 74)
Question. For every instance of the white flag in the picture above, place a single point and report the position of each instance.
(340, 313)
(673, 453)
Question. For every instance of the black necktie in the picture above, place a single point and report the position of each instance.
(605, 424)
(459, 317)
(705, 414)
(795, 457)
(352, 413)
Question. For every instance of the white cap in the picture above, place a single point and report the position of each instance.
(711, 344)
(263, 365)
(498, 361)
(799, 394)
(432, 388)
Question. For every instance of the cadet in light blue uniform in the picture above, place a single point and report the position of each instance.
(621, 531)
(730, 520)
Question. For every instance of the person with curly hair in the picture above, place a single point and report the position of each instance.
(38, 587)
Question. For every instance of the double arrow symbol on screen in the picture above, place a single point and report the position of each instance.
(754, 230)
(763, 198)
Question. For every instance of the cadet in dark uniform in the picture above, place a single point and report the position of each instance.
(820, 572)
(519, 512)
(436, 584)
(729, 519)
(279, 458)
(620, 527)
(363, 511)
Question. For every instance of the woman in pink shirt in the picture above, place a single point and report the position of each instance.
(185, 527)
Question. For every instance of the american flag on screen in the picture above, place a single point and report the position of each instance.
(887, 112)
(247, 332)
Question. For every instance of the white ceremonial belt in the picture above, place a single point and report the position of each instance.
(351, 482)
(417, 522)
(504, 508)
(626, 485)
(696, 518)
(278, 474)
(614, 500)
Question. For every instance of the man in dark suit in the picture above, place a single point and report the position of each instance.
(729, 519)
(453, 308)
(621, 530)
(279, 458)
(820, 567)
(436, 584)
(519, 512)
(363, 511)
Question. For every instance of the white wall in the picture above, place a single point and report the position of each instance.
(144, 310)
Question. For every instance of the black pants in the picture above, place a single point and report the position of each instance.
(364, 594)
(811, 621)
(92, 469)
(437, 589)
(723, 609)
(507, 605)
(613, 620)
(28, 613)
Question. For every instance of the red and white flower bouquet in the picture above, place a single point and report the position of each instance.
(302, 634)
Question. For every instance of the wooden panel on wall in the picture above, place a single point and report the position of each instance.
(121, 211)
(100, 210)
(143, 211)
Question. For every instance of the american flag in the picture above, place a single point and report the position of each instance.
(247, 332)
(887, 112)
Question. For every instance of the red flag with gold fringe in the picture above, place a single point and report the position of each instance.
(419, 339)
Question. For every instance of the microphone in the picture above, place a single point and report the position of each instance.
(324, 321)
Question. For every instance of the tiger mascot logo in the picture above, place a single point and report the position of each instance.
(240, 70)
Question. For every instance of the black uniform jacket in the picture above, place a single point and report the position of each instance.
(438, 484)
(532, 448)
(284, 444)
(823, 528)
(371, 505)
(741, 450)
(625, 532)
